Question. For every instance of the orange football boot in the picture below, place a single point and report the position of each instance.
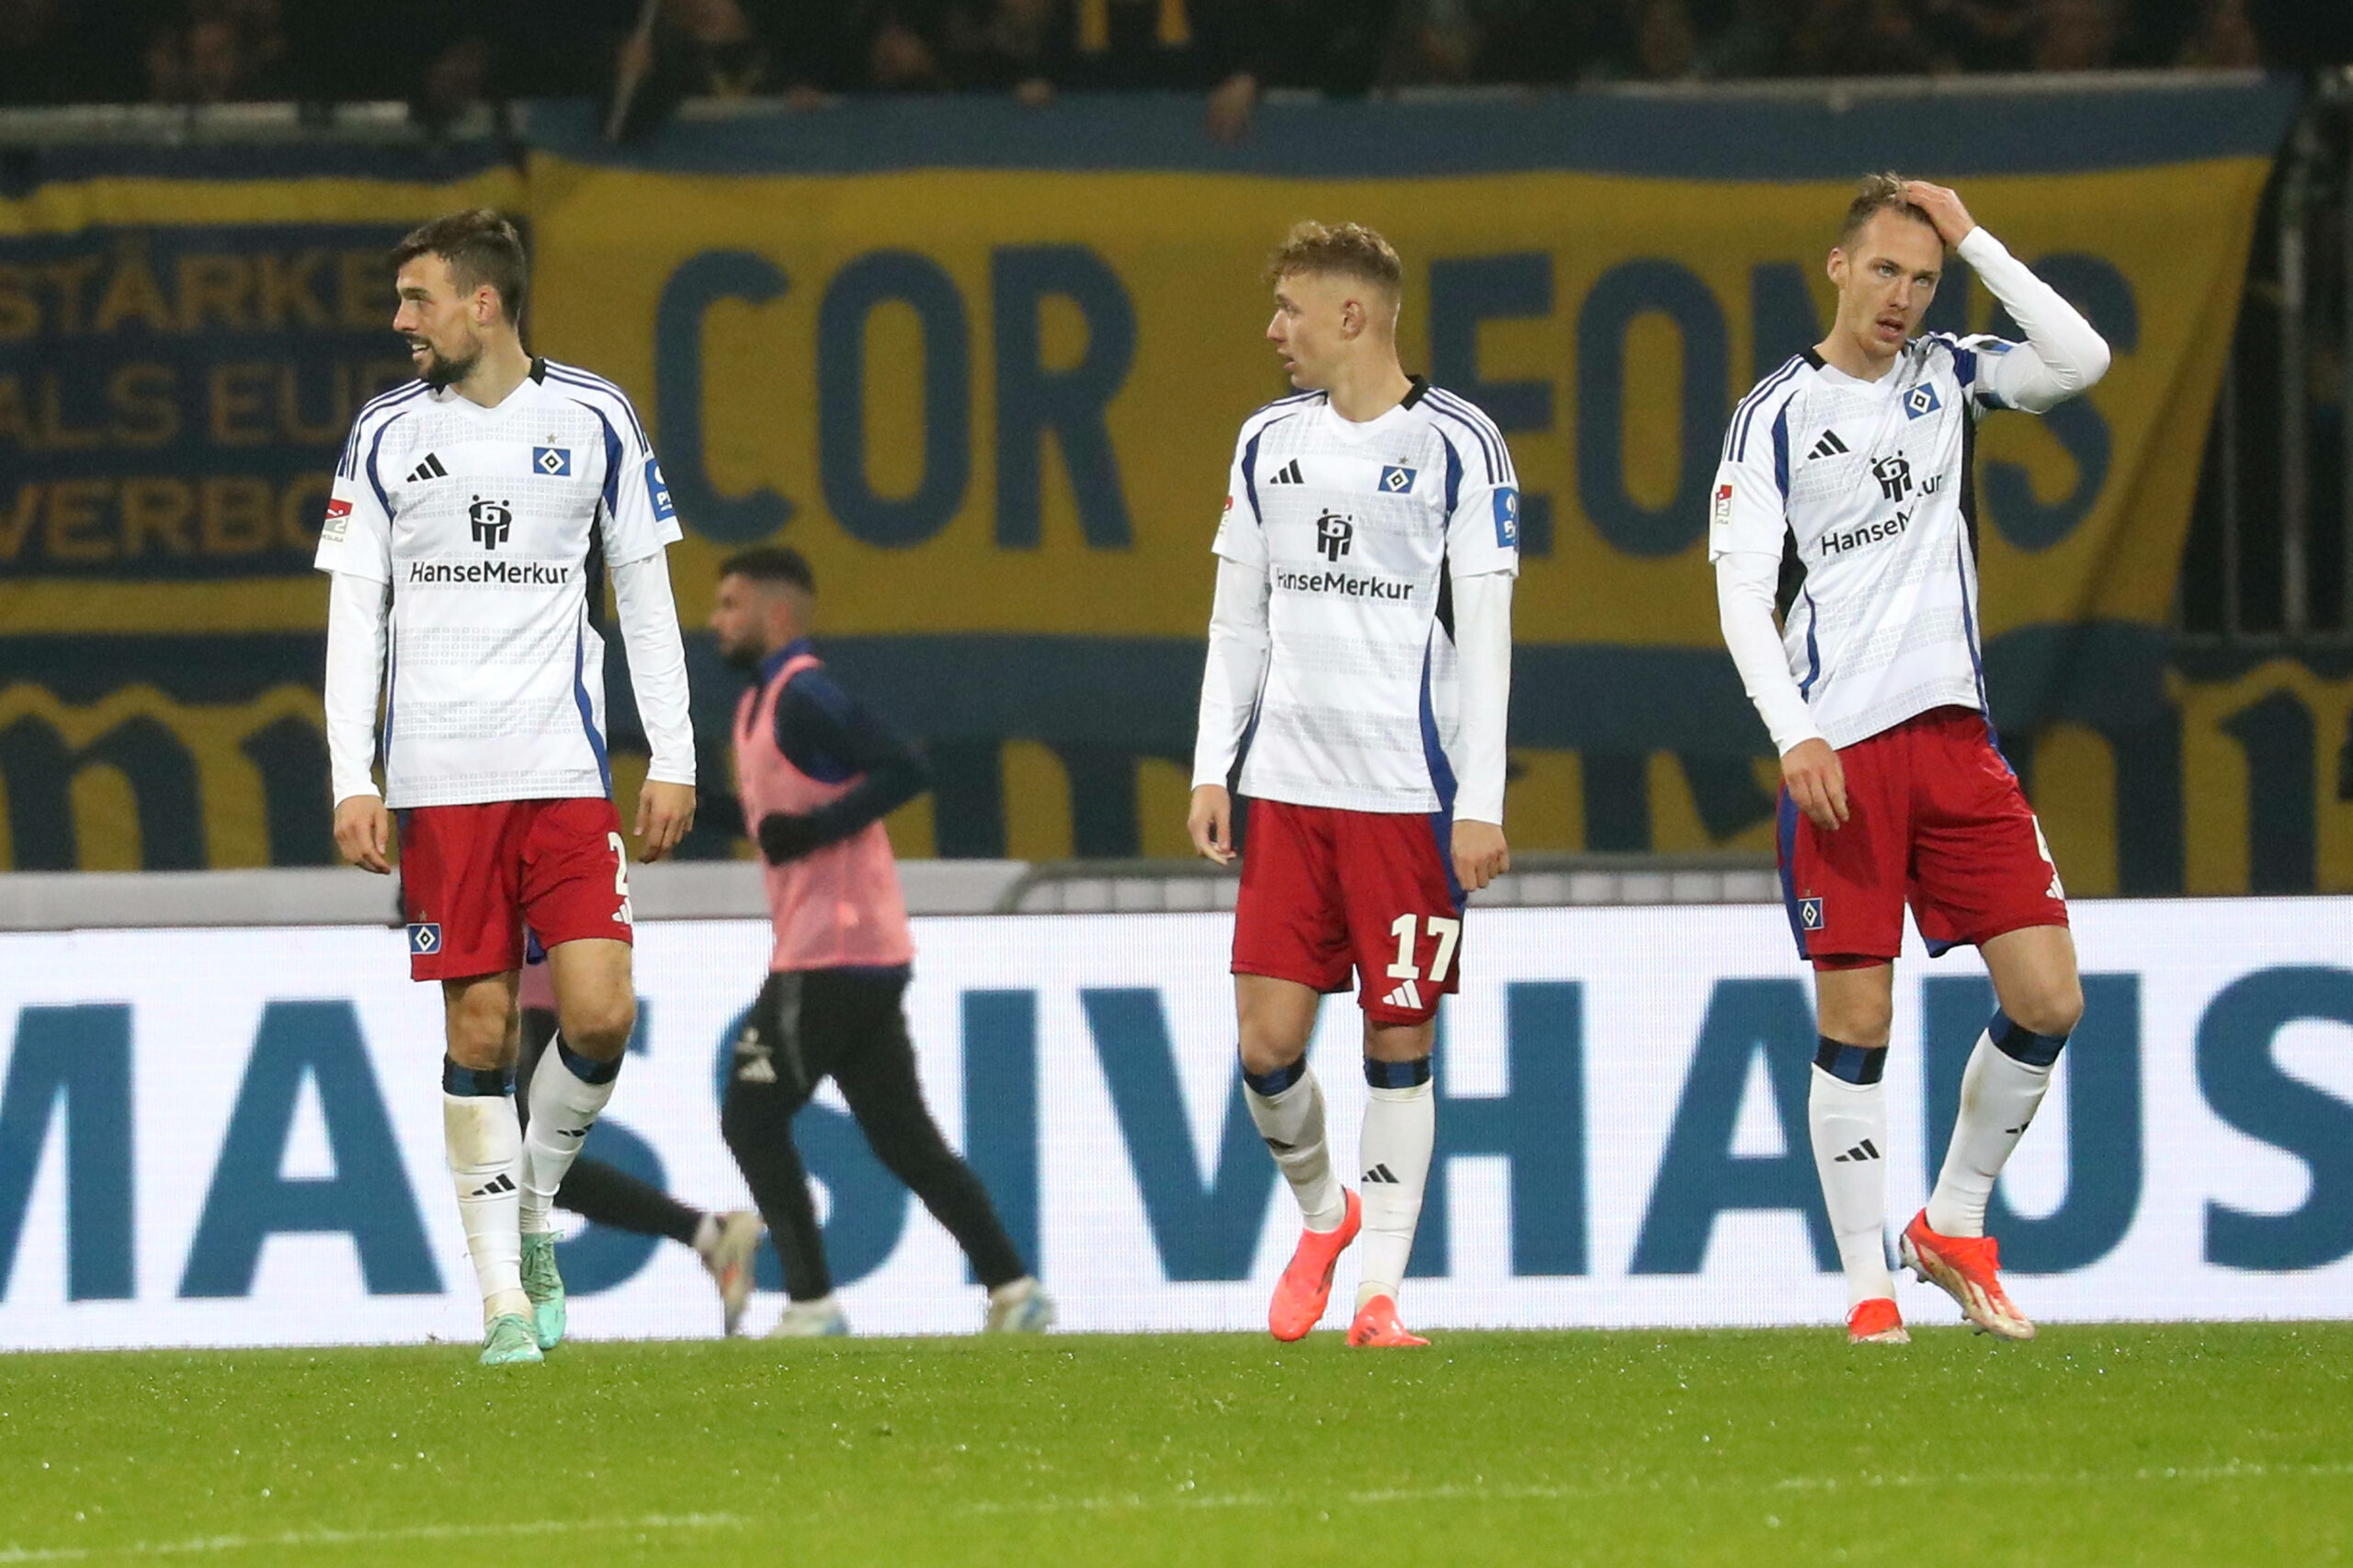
(1876, 1322)
(1305, 1288)
(1966, 1269)
(1377, 1326)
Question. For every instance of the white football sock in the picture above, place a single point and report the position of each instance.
(1850, 1126)
(1291, 1121)
(1999, 1095)
(564, 1109)
(486, 1147)
(1399, 1126)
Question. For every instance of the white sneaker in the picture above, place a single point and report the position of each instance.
(821, 1319)
(1022, 1307)
(730, 1263)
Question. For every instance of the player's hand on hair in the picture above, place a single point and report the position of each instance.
(1210, 821)
(665, 813)
(363, 831)
(785, 836)
(1817, 782)
(1479, 854)
(1943, 208)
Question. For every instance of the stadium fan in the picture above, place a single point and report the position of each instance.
(474, 516)
(817, 771)
(607, 1195)
(1360, 642)
(1844, 506)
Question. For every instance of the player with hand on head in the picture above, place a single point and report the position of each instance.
(474, 516)
(1360, 640)
(1845, 506)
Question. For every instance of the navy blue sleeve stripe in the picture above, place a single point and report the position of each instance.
(350, 467)
(1736, 438)
(1491, 440)
(1743, 418)
(597, 383)
(1496, 471)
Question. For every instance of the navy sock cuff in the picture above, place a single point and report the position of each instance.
(457, 1080)
(1855, 1063)
(1268, 1085)
(587, 1069)
(1397, 1074)
(2021, 1044)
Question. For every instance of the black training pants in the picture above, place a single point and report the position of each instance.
(845, 1024)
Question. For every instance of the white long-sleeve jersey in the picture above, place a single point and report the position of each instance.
(465, 543)
(1846, 504)
(1361, 637)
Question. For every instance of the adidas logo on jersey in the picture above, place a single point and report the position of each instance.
(1381, 1173)
(1407, 996)
(1830, 446)
(1866, 1150)
(1288, 475)
(430, 469)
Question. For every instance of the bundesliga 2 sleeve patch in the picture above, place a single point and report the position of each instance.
(659, 488)
(1506, 519)
(338, 523)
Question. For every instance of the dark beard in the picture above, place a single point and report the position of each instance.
(441, 373)
(743, 657)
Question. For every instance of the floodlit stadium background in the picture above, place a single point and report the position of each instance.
(980, 353)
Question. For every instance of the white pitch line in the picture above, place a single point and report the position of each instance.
(1512, 1493)
(219, 1543)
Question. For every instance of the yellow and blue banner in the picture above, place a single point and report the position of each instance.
(983, 364)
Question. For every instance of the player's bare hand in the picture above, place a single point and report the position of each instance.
(363, 831)
(1817, 783)
(1479, 854)
(665, 813)
(1943, 208)
(1210, 821)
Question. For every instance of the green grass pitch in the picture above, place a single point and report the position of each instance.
(2181, 1445)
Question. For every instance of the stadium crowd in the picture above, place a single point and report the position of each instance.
(443, 55)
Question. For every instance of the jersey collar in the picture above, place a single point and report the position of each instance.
(783, 657)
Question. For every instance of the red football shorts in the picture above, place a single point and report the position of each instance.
(1935, 820)
(1324, 891)
(472, 876)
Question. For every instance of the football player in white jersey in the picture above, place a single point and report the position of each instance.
(474, 516)
(1844, 506)
(1361, 645)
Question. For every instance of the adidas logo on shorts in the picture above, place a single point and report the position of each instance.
(1408, 995)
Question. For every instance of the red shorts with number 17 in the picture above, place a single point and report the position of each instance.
(472, 876)
(1325, 891)
(1936, 821)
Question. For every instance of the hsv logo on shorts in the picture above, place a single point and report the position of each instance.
(425, 938)
(1809, 914)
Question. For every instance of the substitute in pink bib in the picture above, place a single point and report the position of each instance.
(839, 905)
(818, 770)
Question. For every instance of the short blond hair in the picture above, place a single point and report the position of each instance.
(1344, 250)
(1874, 194)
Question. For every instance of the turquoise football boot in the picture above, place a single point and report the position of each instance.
(545, 1287)
(509, 1343)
